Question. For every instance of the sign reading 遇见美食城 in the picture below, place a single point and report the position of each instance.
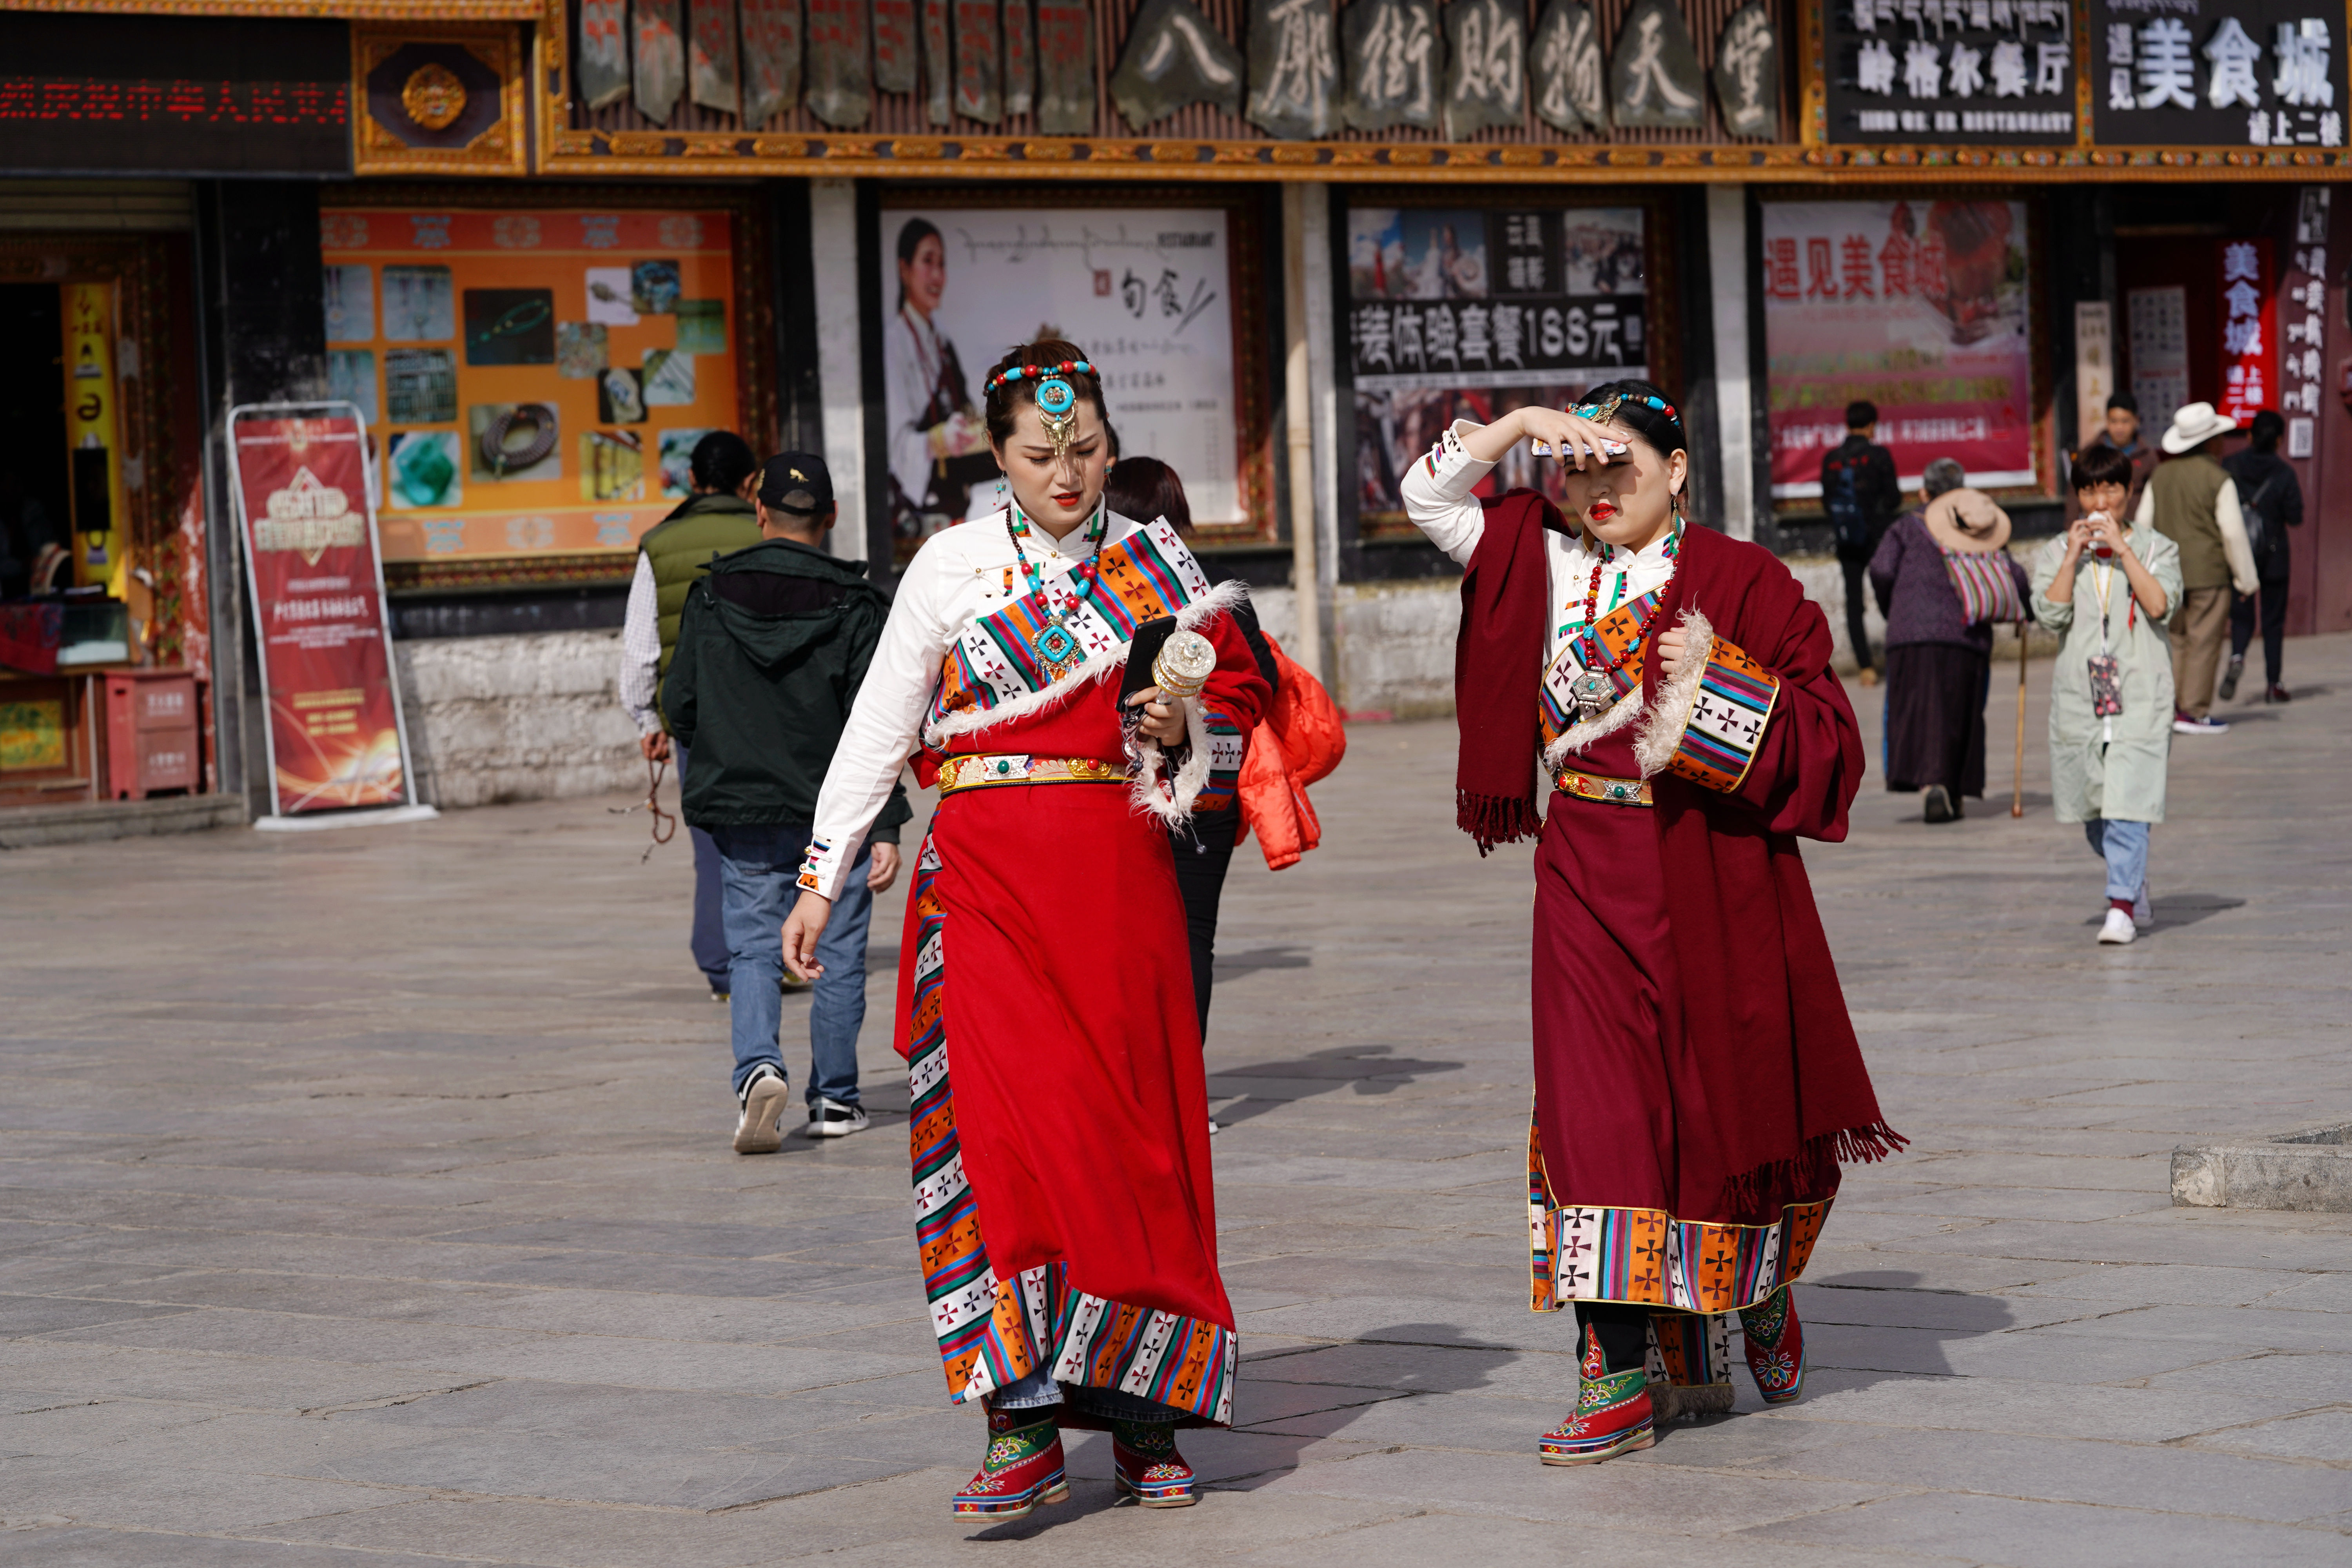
(1921, 307)
(318, 605)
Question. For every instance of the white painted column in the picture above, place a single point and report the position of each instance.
(840, 355)
(1727, 261)
(1298, 430)
(1323, 405)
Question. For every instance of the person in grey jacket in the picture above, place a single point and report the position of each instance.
(2105, 588)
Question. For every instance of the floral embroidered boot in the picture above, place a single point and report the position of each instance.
(1150, 1468)
(1776, 1347)
(1023, 1467)
(1613, 1414)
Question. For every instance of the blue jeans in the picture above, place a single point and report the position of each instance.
(2124, 845)
(760, 868)
(709, 942)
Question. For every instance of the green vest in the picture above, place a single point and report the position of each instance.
(2187, 491)
(705, 527)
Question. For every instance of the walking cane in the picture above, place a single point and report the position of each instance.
(2017, 791)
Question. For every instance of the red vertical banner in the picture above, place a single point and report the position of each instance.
(2249, 329)
(318, 596)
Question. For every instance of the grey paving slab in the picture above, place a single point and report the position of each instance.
(386, 1214)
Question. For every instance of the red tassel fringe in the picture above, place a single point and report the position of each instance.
(1746, 1193)
(1492, 819)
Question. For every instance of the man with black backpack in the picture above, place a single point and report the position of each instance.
(1861, 495)
(2273, 503)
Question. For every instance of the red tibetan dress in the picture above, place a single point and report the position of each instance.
(1697, 1076)
(1064, 1210)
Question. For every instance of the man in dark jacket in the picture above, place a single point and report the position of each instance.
(715, 519)
(2270, 501)
(1861, 495)
(772, 645)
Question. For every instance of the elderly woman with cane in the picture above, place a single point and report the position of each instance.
(1944, 577)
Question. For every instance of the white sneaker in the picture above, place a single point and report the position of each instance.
(2119, 927)
(1215, 1127)
(763, 1107)
(831, 1119)
(2183, 724)
(2143, 911)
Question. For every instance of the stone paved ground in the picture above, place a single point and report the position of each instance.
(368, 1200)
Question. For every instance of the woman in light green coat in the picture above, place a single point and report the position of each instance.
(2105, 588)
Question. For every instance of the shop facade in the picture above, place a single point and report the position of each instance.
(542, 245)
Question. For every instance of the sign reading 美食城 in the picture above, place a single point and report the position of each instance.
(1959, 71)
(2218, 73)
(1468, 313)
(2249, 329)
(1923, 308)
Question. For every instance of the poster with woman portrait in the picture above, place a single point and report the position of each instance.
(1145, 292)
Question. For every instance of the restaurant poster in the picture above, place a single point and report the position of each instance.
(539, 378)
(318, 605)
(1464, 313)
(1145, 292)
(1919, 306)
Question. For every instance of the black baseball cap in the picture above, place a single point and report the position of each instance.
(797, 483)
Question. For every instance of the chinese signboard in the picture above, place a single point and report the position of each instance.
(2199, 73)
(1959, 72)
(318, 607)
(1921, 306)
(1146, 293)
(541, 377)
(1467, 314)
(2249, 334)
(2302, 304)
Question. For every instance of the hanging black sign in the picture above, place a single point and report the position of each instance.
(1175, 56)
(1294, 68)
(1982, 72)
(1390, 54)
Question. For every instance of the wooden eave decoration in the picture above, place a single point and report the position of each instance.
(305, 10)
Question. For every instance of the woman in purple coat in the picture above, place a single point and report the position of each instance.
(1937, 661)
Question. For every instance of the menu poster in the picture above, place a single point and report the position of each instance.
(1460, 313)
(1919, 306)
(318, 605)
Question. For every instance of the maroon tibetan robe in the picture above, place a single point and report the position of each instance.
(1697, 1079)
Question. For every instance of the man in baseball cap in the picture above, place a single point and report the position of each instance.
(772, 647)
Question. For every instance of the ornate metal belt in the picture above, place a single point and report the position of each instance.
(979, 772)
(1595, 786)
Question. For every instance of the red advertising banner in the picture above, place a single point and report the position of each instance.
(334, 728)
(2249, 329)
(1920, 307)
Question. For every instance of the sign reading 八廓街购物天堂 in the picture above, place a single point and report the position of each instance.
(1959, 71)
(1921, 307)
(1468, 313)
(2218, 73)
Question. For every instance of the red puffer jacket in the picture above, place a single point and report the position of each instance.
(1299, 741)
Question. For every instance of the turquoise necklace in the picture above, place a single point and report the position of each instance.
(1057, 645)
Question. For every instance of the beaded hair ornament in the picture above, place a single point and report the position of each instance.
(1057, 401)
(1603, 413)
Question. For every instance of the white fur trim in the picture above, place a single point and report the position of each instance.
(1174, 806)
(1662, 731)
(1219, 600)
(1576, 736)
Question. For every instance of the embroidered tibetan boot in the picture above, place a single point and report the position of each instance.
(1776, 1347)
(1613, 1414)
(1023, 1467)
(1148, 1467)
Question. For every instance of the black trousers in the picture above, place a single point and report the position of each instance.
(1857, 584)
(1623, 1328)
(2241, 628)
(1205, 853)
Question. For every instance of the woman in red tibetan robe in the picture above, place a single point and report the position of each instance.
(1062, 1189)
(1697, 1078)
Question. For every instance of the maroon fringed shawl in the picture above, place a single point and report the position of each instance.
(1763, 1017)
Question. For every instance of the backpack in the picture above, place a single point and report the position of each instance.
(2262, 538)
(1850, 523)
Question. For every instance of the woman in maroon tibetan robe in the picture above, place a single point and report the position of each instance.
(1065, 1214)
(1697, 1079)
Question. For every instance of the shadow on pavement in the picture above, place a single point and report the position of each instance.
(2175, 909)
(1369, 1069)
(1867, 1325)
